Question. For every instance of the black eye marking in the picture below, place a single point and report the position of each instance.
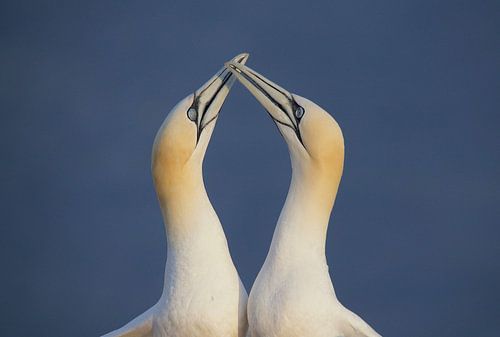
(197, 111)
(192, 114)
(299, 112)
(227, 76)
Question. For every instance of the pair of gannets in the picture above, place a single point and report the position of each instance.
(293, 294)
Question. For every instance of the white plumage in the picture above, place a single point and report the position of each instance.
(202, 295)
(293, 295)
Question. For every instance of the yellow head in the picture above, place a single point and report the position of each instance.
(313, 137)
(181, 142)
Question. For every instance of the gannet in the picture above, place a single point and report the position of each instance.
(203, 295)
(293, 295)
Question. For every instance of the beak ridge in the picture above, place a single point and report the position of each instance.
(210, 97)
(278, 102)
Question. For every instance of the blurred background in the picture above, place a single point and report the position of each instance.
(413, 244)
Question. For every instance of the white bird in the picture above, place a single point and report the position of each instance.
(203, 295)
(293, 295)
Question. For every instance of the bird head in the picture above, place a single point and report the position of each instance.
(183, 138)
(313, 136)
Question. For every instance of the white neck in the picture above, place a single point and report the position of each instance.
(195, 238)
(301, 229)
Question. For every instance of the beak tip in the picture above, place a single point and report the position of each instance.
(240, 58)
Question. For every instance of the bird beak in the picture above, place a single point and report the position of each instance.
(278, 102)
(210, 97)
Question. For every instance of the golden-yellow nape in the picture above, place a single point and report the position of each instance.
(183, 137)
(311, 133)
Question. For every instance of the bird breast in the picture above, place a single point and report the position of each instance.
(296, 303)
(205, 312)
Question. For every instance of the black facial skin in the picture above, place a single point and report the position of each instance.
(297, 110)
(195, 108)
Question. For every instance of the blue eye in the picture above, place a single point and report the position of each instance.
(192, 114)
(299, 112)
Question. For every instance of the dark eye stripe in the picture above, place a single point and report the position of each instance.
(294, 105)
(192, 114)
(299, 112)
(207, 106)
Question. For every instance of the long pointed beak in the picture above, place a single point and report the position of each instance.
(278, 102)
(209, 98)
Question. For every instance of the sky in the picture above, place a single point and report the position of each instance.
(413, 242)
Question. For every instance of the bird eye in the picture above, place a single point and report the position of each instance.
(192, 114)
(299, 112)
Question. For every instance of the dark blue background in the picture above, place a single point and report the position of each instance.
(413, 244)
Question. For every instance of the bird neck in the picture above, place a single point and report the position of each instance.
(196, 244)
(303, 222)
(187, 212)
